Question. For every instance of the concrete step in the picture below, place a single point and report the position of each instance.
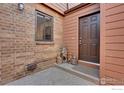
(71, 69)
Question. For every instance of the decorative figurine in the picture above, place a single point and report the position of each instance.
(69, 57)
(59, 59)
(64, 54)
(74, 60)
(62, 57)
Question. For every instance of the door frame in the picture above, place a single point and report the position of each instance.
(79, 35)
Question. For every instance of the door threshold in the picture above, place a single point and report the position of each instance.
(69, 68)
(90, 63)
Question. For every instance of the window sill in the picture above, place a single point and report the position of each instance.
(44, 43)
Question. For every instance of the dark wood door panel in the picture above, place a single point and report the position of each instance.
(89, 38)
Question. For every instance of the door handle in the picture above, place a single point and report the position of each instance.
(80, 41)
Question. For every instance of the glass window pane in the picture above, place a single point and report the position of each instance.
(44, 27)
(47, 33)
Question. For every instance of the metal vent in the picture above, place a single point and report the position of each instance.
(31, 67)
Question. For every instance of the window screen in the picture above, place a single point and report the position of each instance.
(44, 30)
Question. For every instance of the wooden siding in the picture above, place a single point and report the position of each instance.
(112, 43)
(61, 7)
(71, 27)
(70, 5)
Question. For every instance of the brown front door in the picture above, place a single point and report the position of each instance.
(89, 38)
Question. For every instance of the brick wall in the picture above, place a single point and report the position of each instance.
(17, 42)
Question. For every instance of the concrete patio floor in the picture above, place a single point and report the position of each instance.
(51, 76)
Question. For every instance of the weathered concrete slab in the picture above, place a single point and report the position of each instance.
(51, 76)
